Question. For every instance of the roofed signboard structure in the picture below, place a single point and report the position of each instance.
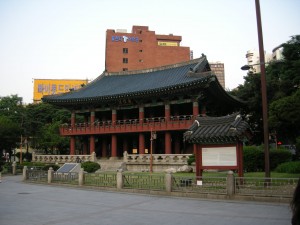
(218, 142)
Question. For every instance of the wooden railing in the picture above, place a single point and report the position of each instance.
(129, 125)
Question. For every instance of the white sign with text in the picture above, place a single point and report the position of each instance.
(219, 156)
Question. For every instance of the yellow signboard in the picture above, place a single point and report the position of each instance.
(162, 43)
(43, 87)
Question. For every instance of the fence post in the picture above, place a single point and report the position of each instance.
(168, 182)
(119, 180)
(25, 175)
(14, 168)
(81, 177)
(50, 175)
(94, 158)
(230, 184)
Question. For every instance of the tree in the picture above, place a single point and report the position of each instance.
(43, 125)
(283, 82)
(9, 134)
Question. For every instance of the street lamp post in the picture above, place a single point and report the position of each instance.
(263, 89)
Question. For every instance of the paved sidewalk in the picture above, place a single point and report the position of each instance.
(31, 204)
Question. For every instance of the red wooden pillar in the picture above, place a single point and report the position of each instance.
(92, 137)
(114, 136)
(141, 135)
(195, 149)
(195, 109)
(104, 148)
(114, 116)
(198, 157)
(141, 114)
(168, 143)
(141, 143)
(73, 119)
(92, 144)
(239, 149)
(72, 145)
(72, 139)
(167, 112)
(113, 145)
(92, 118)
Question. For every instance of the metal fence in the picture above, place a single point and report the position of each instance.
(100, 179)
(37, 175)
(283, 187)
(144, 181)
(239, 186)
(200, 184)
(65, 178)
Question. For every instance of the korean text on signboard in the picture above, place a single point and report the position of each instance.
(124, 39)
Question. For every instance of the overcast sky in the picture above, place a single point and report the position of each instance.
(65, 39)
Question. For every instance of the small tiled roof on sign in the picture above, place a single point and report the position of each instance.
(217, 130)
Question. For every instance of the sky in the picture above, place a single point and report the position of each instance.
(65, 39)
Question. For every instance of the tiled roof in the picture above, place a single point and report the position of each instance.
(216, 130)
(176, 78)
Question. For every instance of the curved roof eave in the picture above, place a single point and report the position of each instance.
(150, 92)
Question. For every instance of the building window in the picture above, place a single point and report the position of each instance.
(125, 69)
(125, 60)
(125, 50)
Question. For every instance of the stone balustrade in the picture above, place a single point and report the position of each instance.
(63, 158)
(172, 159)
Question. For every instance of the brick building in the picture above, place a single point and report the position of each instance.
(142, 49)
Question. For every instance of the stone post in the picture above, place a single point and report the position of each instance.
(81, 177)
(50, 175)
(230, 184)
(25, 175)
(14, 168)
(33, 157)
(119, 180)
(94, 158)
(168, 182)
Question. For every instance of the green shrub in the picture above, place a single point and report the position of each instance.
(90, 167)
(191, 159)
(54, 167)
(253, 157)
(29, 164)
(289, 167)
(279, 156)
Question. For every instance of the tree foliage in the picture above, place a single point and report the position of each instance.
(283, 94)
(38, 124)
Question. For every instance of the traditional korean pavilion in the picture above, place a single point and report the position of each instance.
(118, 112)
(218, 142)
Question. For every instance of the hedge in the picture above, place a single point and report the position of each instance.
(90, 167)
(288, 167)
(254, 158)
